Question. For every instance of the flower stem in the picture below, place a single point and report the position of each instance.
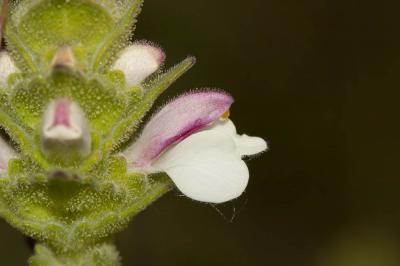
(104, 254)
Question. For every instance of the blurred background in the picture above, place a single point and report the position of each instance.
(318, 79)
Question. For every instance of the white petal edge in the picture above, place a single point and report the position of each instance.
(7, 67)
(245, 145)
(139, 61)
(205, 167)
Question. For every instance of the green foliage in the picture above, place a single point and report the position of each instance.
(74, 209)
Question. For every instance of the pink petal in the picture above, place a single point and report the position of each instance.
(64, 128)
(61, 113)
(176, 121)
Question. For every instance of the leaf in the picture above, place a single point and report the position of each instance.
(116, 39)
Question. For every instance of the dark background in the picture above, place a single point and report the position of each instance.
(319, 80)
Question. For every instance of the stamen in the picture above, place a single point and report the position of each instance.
(225, 116)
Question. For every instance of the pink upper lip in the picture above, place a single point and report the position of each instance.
(179, 119)
(61, 113)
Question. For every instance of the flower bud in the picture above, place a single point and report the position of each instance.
(63, 58)
(139, 61)
(7, 67)
(65, 135)
(6, 154)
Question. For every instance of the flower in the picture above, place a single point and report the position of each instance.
(192, 141)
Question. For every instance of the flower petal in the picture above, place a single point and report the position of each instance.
(205, 167)
(176, 121)
(245, 144)
(7, 67)
(139, 61)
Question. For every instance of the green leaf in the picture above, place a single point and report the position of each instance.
(117, 37)
(37, 29)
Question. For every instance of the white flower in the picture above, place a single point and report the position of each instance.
(207, 166)
(201, 154)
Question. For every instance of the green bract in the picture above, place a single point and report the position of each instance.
(72, 207)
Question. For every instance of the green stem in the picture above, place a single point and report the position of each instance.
(104, 254)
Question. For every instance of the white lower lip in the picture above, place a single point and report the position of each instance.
(63, 133)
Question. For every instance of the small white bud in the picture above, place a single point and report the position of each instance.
(63, 57)
(6, 154)
(138, 62)
(64, 130)
(7, 67)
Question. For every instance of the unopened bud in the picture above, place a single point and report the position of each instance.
(6, 154)
(138, 62)
(63, 58)
(7, 67)
(65, 133)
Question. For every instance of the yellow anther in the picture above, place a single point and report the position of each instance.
(225, 116)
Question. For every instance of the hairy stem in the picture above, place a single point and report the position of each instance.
(104, 254)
